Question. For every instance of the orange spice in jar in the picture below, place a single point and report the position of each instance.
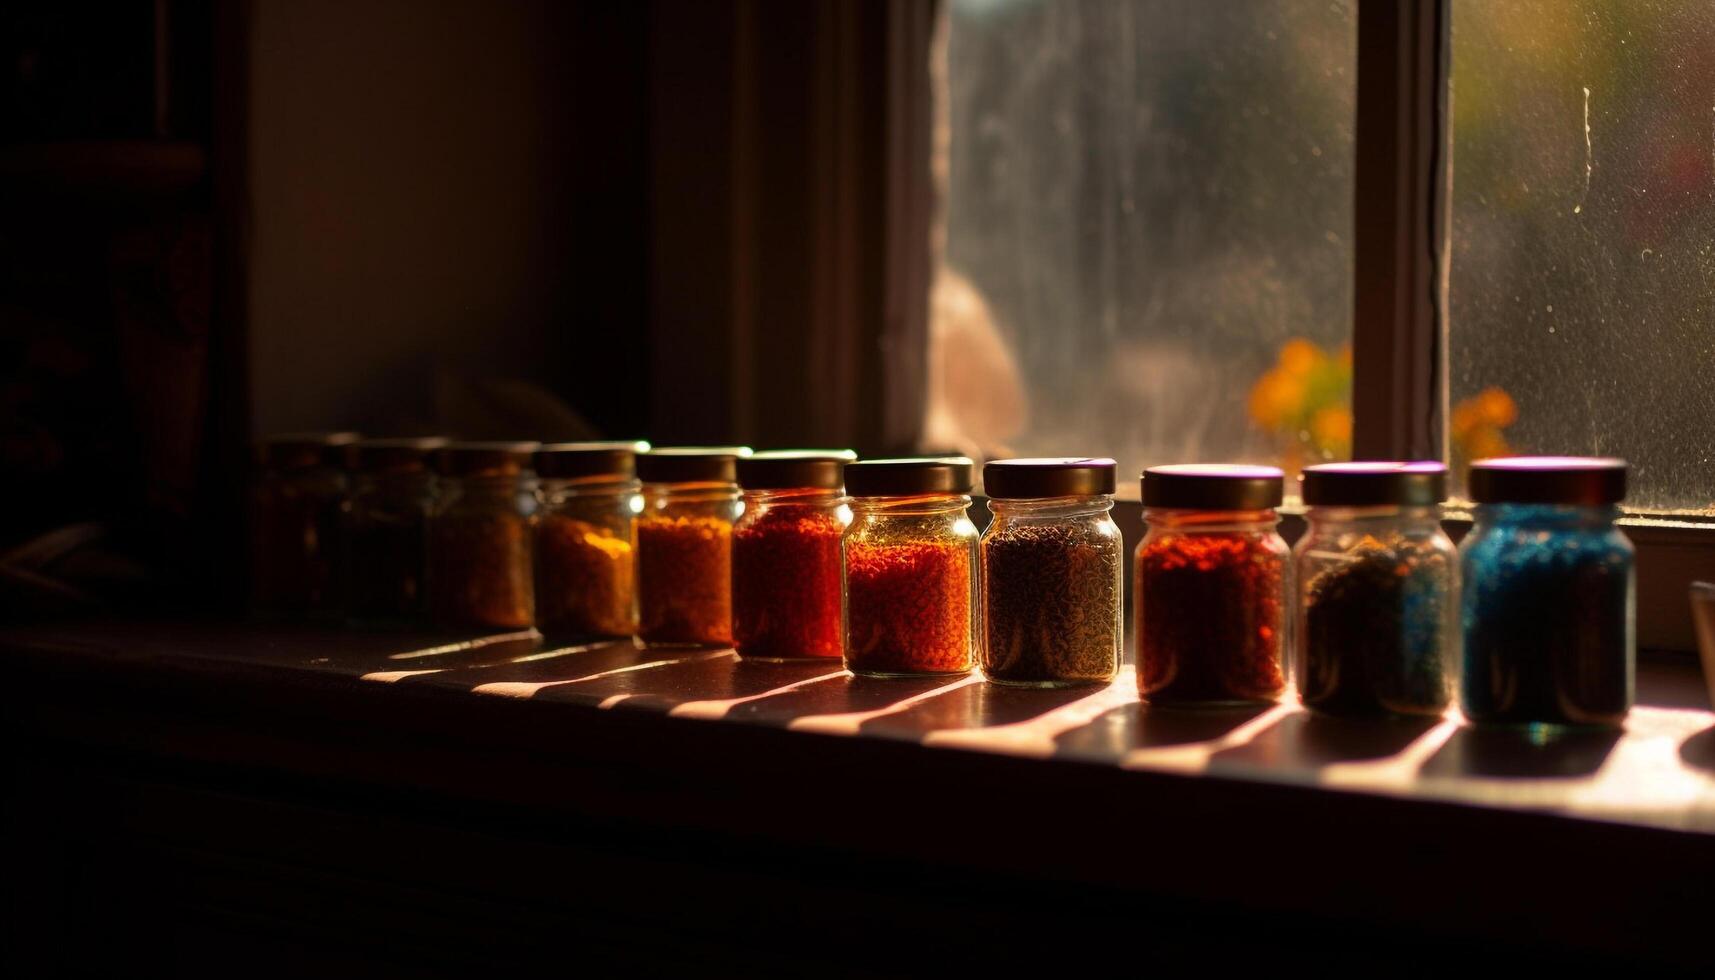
(910, 560)
(684, 545)
(480, 536)
(586, 538)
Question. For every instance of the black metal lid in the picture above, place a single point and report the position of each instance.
(1375, 484)
(1586, 480)
(583, 460)
(790, 469)
(1213, 486)
(302, 450)
(691, 464)
(908, 477)
(1026, 479)
(372, 455)
(484, 458)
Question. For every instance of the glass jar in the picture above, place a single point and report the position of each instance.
(1376, 595)
(786, 555)
(1549, 600)
(480, 536)
(585, 539)
(1052, 573)
(386, 530)
(1210, 586)
(296, 509)
(909, 560)
(684, 545)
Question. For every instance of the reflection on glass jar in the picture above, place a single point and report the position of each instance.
(480, 536)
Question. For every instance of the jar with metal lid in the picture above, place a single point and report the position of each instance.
(585, 539)
(1548, 606)
(386, 529)
(786, 555)
(297, 505)
(910, 567)
(480, 536)
(684, 544)
(1210, 581)
(1052, 571)
(1376, 592)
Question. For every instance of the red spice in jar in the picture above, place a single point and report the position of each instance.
(786, 584)
(684, 580)
(1209, 619)
(908, 607)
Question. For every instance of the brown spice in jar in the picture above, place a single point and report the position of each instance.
(684, 580)
(583, 579)
(480, 573)
(1051, 605)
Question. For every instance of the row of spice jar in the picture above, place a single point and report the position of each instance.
(1368, 603)
(580, 540)
(617, 539)
(1536, 606)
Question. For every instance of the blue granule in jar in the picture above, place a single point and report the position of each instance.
(1547, 619)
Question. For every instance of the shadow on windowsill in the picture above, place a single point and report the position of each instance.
(1510, 753)
(978, 705)
(1133, 726)
(1699, 750)
(1307, 740)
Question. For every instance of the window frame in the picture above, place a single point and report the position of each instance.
(1401, 270)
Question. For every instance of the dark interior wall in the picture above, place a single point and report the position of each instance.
(442, 193)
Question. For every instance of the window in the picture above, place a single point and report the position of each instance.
(1583, 237)
(1146, 246)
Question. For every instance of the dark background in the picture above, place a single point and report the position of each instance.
(530, 219)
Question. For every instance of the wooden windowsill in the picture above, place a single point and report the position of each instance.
(1381, 822)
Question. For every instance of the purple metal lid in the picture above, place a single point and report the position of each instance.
(1213, 486)
(1580, 480)
(1029, 479)
(1375, 483)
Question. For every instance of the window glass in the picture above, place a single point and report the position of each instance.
(1582, 314)
(1145, 244)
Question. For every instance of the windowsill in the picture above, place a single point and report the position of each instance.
(1430, 760)
(676, 742)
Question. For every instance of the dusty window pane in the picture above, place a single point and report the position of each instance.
(1583, 222)
(1146, 249)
